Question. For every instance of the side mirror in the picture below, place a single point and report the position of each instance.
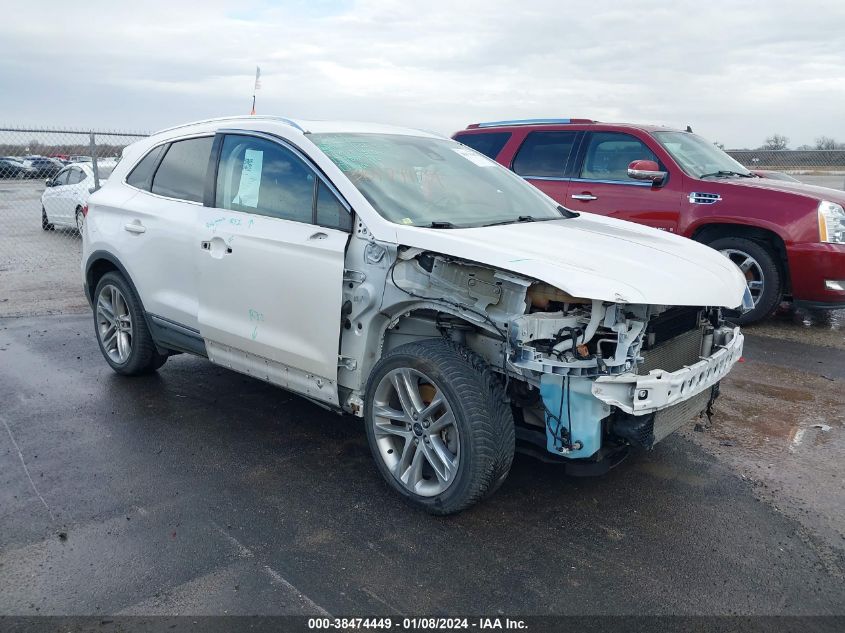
(646, 170)
(49, 182)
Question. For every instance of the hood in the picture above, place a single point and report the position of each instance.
(783, 186)
(595, 257)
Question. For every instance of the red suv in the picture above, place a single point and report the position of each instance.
(787, 237)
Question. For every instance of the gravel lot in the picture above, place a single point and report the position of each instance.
(200, 491)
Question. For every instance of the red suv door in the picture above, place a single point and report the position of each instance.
(600, 183)
(545, 159)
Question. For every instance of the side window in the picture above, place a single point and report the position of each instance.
(182, 171)
(488, 144)
(544, 154)
(610, 153)
(142, 176)
(330, 211)
(61, 177)
(260, 176)
(76, 176)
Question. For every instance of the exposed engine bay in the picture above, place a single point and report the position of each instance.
(585, 377)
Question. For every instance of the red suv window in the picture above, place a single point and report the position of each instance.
(609, 154)
(545, 154)
(488, 144)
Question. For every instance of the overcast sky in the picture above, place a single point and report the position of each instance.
(735, 71)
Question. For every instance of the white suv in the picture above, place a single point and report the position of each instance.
(401, 277)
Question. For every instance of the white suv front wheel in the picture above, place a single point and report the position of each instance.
(438, 425)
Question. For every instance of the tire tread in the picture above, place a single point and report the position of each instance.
(144, 358)
(485, 408)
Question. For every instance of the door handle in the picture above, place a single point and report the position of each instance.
(583, 196)
(135, 227)
(319, 235)
(216, 247)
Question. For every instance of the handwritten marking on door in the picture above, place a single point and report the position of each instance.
(256, 317)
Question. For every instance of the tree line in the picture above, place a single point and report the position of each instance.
(779, 141)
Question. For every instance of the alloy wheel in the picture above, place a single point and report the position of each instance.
(114, 324)
(80, 221)
(416, 432)
(752, 270)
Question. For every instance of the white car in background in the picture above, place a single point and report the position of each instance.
(65, 199)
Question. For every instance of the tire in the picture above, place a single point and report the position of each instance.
(45, 223)
(762, 264)
(406, 449)
(134, 352)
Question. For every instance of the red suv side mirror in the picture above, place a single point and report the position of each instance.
(646, 170)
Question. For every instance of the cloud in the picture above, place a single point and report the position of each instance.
(736, 72)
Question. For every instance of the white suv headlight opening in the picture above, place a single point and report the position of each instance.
(831, 222)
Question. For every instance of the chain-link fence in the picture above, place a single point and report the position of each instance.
(46, 177)
(821, 167)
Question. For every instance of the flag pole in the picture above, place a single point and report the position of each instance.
(256, 87)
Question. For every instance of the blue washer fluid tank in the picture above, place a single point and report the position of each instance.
(584, 413)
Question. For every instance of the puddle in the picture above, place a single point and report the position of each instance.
(784, 430)
(758, 411)
(816, 327)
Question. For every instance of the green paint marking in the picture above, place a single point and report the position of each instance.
(255, 315)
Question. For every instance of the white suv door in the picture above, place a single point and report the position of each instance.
(270, 263)
(159, 227)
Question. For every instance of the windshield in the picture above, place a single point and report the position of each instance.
(423, 181)
(697, 156)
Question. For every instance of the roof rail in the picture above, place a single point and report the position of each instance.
(529, 122)
(271, 117)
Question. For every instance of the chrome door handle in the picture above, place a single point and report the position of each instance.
(135, 227)
(318, 236)
(583, 196)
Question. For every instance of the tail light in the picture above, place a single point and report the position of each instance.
(85, 211)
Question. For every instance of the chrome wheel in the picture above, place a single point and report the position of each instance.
(752, 270)
(114, 324)
(416, 432)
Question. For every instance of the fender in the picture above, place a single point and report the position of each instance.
(733, 220)
(93, 258)
(167, 335)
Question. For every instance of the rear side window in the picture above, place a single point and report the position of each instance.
(76, 176)
(182, 171)
(488, 144)
(610, 153)
(142, 176)
(260, 176)
(544, 154)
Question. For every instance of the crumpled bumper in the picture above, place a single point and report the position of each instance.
(641, 395)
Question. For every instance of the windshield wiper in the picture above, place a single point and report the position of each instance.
(440, 224)
(566, 213)
(521, 218)
(727, 172)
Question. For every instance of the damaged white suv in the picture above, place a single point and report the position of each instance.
(405, 279)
